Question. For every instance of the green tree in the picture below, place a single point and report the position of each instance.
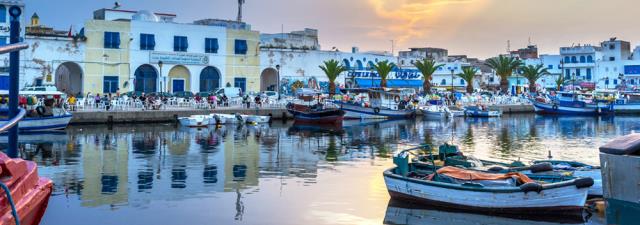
(427, 67)
(332, 68)
(468, 73)
(504, 67)
(533, 74)
(384, 68)
(559, 82)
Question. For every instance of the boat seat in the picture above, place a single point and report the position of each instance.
(625, 145)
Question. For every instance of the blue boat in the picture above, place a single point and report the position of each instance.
(383, 103)
(567, 103)
(477, 111)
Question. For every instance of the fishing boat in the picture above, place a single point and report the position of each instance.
(382, 103)
(481, 111)
(194, 121)
(214, 119)
(570, 103)
(450, 155)
(484, 192)
(626, 102)
(252, 119)
(435, 112)
(30, 193)
(314, 111)
(225, 118)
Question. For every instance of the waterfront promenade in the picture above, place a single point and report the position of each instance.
(171, 113)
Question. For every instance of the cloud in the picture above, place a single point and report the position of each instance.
(407, 20)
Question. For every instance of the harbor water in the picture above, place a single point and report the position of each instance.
(282, 173)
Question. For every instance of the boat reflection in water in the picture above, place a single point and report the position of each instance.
(407, 214)
(142, 174)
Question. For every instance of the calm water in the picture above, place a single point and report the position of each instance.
(279, 174)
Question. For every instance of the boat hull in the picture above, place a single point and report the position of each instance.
(557, 200)
(44, 123)
(359, 112)
(545, 108)
(433, 115)
(30, 192)
(303, 114)
(473, 113)
(197, 121)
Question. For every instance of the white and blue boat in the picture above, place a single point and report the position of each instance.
(627, 103)
(476, 111)
(382, 104)
(567, 103)
(58, 120)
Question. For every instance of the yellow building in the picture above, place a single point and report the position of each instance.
(107, 56)
(243, 59)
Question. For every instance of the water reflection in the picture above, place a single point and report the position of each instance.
(129, 167)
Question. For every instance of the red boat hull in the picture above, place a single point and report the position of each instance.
(30, 192)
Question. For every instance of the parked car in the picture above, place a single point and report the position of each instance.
(230, 92)
(183, 94)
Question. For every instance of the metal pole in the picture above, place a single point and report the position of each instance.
(14, 79)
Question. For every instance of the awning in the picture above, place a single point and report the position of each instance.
(396, 83)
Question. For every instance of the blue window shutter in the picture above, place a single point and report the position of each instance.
(116, 40)
(143, 42)
(215, 45)
(152, 42)
(207, 45)
(241, 47)
(3, 14)
(176, 43)
(107, 40)
(186, 44)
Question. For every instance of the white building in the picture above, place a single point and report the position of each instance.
(5, 22)
(192, 56)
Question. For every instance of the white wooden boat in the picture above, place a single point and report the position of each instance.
(226, 118)
(383, 103)
(434, 112)
(194, 121)
(417, 182)
(59, 120)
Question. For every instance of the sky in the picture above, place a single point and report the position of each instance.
(477, 28)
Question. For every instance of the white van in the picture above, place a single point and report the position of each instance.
(230, 92)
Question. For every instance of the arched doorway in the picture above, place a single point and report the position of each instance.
(359, 65)
(179, 77)
(146, 79)
(346, 64)
(69, 78)
(209, 79)
(269, 80)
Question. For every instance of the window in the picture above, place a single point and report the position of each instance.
(567, 74)
(612, 46)
(240, 82)
(578, 72)
(211, 45)
(3, 40)
(3, 14)
(110, 84)
(589, 59)
(606, 81)
(461, 81)
(241, 47)
(443, 82)
(180, 44)
(111, 40)
(566, 59)
(491, 79)
(612, 58)
(615, 81)
(583, 59)
(147, 42)
(574, 59)
(550, 67)
(589, 74)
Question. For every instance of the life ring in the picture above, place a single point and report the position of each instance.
(376, 110)
(289, 105)
(397, 99)
(599, 110)
(40, 110)
(555, 106)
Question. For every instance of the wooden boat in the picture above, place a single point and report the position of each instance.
(225, 118)
(252, 119)
(568, 103)
(450, 155)
(475, 111)
(58, 120)
(382, 104)
(194, 121)
(214, 119)
(435, 112)
(317, 114)
(484, 192)
(29, 192)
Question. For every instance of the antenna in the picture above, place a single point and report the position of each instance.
(240, 3)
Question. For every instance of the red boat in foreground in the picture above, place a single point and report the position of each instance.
(30, 193)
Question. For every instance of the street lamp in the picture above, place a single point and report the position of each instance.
(452, 71)
(160, 63)
(606, 82)
(278, 82)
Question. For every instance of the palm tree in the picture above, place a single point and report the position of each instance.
(332, 68)
(384, 68)
(533, 74)
(559, 82)
(504, 67)
(427, 67)
(467, 75)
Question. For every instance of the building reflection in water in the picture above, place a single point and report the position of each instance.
(133, 165)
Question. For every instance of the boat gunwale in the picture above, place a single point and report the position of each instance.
(388, 173)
